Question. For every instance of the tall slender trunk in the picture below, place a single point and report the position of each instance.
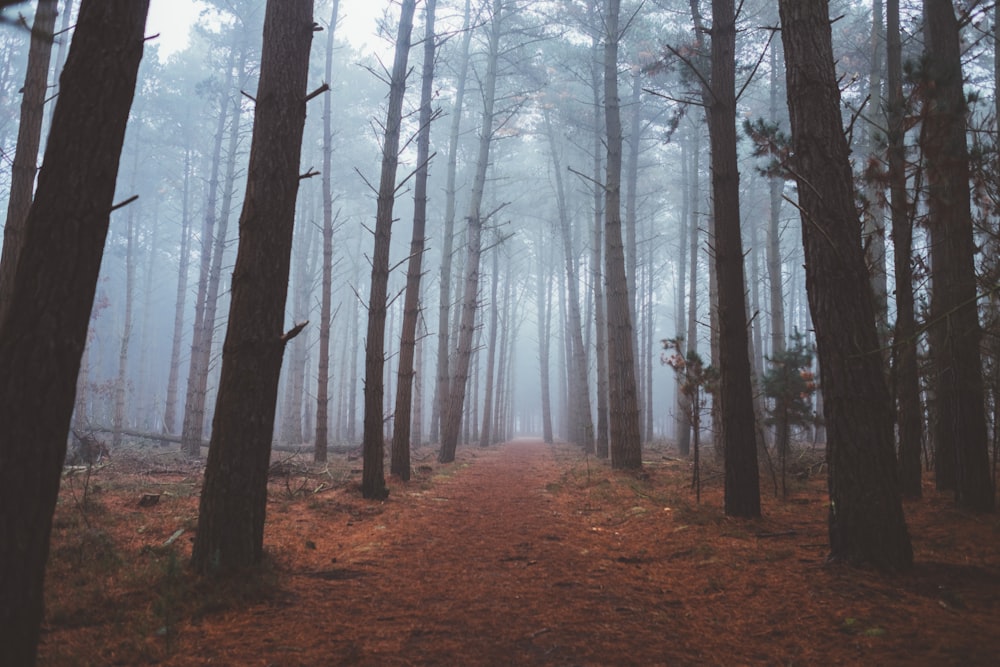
(866, 515)
(486, 433)
(623, 406)
(470, 294)
(321, 442)
(373, 443)
(955, 331)
(184, 261)
(233, 502)
(682, 421)
(544, 344)
(873, 234)
(400, 464)
(121, 382)
(191, 433)
(29, 136)
(907, 375)
(735, 394)
(631, 218)
(582, 424)
(442, 388)
(597, 243)
(43, 335)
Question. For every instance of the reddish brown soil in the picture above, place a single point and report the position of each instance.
(524, 554)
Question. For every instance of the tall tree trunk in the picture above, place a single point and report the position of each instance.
(873, 234)
(623, 405)
(323, 371)
(193, 425)
(632, 215)
(43, 334)
(544, 344)
(352, 393)
(907, 374)
(400, 464)
(184, 262)
(373, 442)
(866, 516)
(234, 495)
(29, 136)
(470, 294)
(775, 279)
(486, 433)
(118, 420)
(583, 426)
(597, 244)
(735, 394)
(954, 332)
(292, 412)
(442, 387)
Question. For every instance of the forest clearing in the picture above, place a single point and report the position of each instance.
(523, 553)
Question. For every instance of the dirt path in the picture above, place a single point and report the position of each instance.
(522, 554)
(486, 567)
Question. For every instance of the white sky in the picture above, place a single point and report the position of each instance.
(173, 19)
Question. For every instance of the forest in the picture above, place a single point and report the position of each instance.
(619, 289)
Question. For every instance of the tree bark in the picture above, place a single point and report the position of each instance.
(543, 294)
(470, 294)
(323, 370)
(735, 394)
(442, 387)
(954, 332)
(184, 262)
(866, 516)
(29, 135)
(601, 444)
(194, 417)
(623, 405)
(234, 495)
(400, 464)
(579, 391)
(44, 332)
(909, 421)
(373, 442)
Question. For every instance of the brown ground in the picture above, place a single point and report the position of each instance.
(523, 554)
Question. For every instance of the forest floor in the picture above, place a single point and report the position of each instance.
(521, 554)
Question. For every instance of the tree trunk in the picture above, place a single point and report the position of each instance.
(907, 377)
(442, 387)
(954, 332)
(470, 294)
(623, 405)
(234, 495)
(544, 344)
(193, 419)
(400, 464)
(866, 516)
(29, 135)
(596, 258)
(775, 278)
(323, 370)
(735, 394)
(373, 438)
(485, 436)
(173, 376)
(126, 336)
(631, 217)
(44, 332)
(579, 392)
(873, 234)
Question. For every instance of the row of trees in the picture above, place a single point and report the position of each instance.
(529, 104)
